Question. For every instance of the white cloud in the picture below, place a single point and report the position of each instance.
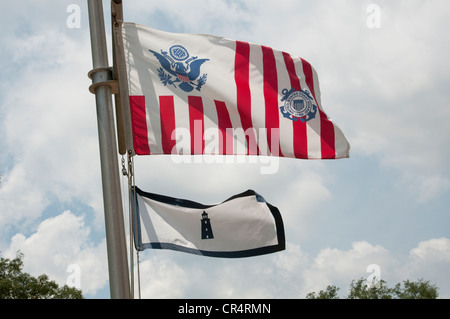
(162, 278)
(291, 273)
(224, 18)
(19, 200)
(197, 179)
(431, 187)
(59, 242)
(302, 194)
(389, 88)
(429, 260)
(437, 249)
(50, 128)
(336, 267)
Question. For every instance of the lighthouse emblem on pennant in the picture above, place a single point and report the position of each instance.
(207, 232)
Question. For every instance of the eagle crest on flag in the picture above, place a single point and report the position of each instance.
(178, 68)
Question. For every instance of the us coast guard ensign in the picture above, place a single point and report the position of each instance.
(194, 94)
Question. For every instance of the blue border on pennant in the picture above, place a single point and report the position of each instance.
(190, 204)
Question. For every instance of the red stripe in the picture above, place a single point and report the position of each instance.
(224, 123)
(242, 73)
(327, 137)
(167, 111)
(196, 124)
(300, 138)
(139, 125)
(271, 100)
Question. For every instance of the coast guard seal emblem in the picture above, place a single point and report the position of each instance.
(298, 105)
(179, 69)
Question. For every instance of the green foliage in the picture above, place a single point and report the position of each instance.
(377, 290)
(15, 284)
(330, 293)
(416, 290)
(360, 289)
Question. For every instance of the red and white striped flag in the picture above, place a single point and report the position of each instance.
(201, 94)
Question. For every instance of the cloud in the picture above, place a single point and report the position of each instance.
(292, 273)
(163, 279)
(431, 187)
(223, 18)
(49, 128)
(58, 243)
(389, 89)
(434, 249)
(19, 200)
(429, 260)
(337, 267)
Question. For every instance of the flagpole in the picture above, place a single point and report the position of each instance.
(103, 85)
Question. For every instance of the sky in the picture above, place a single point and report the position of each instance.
(383, 213)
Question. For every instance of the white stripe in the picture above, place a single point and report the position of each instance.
(341, 144)
(141, 81)
(153, 128)
(317, 87)
(286, 125)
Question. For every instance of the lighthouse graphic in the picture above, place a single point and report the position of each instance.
(207, 232)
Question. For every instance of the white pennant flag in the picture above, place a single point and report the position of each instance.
(244, 225)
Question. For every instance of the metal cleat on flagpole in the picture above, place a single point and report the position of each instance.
(101, 77)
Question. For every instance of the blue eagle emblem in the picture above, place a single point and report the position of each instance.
(298, 105)
(179, 69)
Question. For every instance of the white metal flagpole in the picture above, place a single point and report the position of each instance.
(102, 86)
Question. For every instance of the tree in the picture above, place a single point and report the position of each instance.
(330, 293)
(379, 290)
(15, 284)
(416, 290)
(376, 290)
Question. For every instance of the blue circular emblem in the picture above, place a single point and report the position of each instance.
(178, 52)
(298, 105)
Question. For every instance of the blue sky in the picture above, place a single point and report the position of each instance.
(386, 87)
